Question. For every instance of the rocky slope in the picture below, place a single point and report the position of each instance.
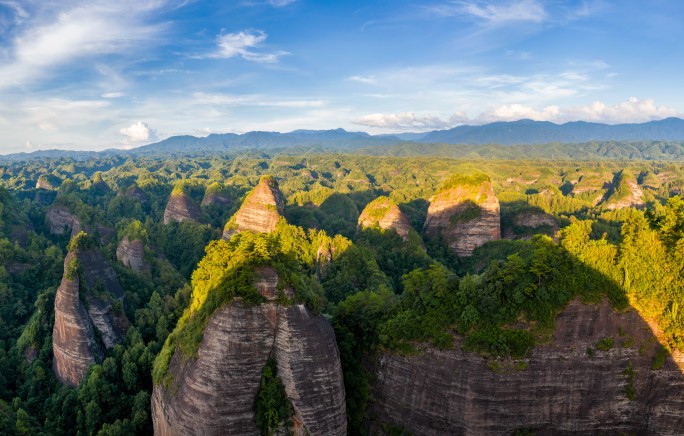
(215, 393)
(465, 214)
(137, 193)
(569, 386)
(85, 325)
(132, 254)
(180, 208)
(625, 192)
(61, 220)
(385, 213)
(260, 211)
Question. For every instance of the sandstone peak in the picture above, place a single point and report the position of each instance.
(181, 207)
(385, 213)
(61, 220)
(135, 192)
(131, 252)
(215, 393)
(260, 211)
(77, 317)
(464, 213)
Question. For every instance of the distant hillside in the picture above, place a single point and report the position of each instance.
(544, 132)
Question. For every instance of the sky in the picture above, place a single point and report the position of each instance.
(97, 74)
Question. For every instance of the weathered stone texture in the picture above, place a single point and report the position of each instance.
(447, 217)
(215, 393)
(132, 254)
(60, 219)
(75, 343)
(261, 211)
(385, 214)
(181, 208)
(563, 390)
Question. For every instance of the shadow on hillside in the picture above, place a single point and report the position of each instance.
(601, 370)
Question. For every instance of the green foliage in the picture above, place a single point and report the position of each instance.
(82, 242)
(659, 358)
(469, 178)
(630, 377)
(605, 344)
(272, 409)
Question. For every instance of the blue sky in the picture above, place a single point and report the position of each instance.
(96, 74)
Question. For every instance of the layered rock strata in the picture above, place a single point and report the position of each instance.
(132, 254)
(86, 325)
(181, 208)
(465, 216)
(260, 211)
(595, 377)
(61, 220)
(385, 213)
(215, 393)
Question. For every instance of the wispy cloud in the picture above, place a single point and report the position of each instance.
(83, 30)
(254, 100)
(403, 121)
(493, 13)
(280, 3)
(245, 44)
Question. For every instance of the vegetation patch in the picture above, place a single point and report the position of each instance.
(272, 409)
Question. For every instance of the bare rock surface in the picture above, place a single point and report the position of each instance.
(137, 193)
(563, 389)
(180, 208)
(625, 193)
(215, 393)
(465, 216)
(132, 254)
(385, 213)
(76, 345)
(61, 220)
(216, 199)
(260, 211)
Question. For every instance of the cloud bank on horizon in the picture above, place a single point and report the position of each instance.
(97, 74)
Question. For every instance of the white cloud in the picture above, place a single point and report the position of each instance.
(632, 110)
(254, 100)
(242, 44)
(86, 30)
(112, 95)
(280, 3)
(403, 121)
(138, 132)
(367, 80)
(493, 13)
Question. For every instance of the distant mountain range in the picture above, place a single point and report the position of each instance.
(520, 133)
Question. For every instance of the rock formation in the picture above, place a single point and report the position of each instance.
(180, 208)
(76, 345)
(61, 220)
(385, 213)
(135, 192)
(625, 192)
(260, 211)
(569, 386)
(214, 195)
(532, 219)
(215, 393)
(47, 181)
(132, 254)
(465, 214)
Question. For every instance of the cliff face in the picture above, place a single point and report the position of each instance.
(531, 220)
(61, 220)
(564, 389)
(465, 216)
(137, 193)
(74, 344)
(132, 254)
(386, 214)
(260, 211)
(215, 394)
(77, 318)
(626, 192)
(180, 208)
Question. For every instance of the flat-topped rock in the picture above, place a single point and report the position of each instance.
(465, 214)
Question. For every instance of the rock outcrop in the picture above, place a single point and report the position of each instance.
(181, 208)
(76, 345)
(260, 211)
(132, 254)
(137, 193)
(625, 192)
(465, 214)
(530, 221)
(385, 213)
(61, 220)
(569, 386)
(47, 181)
(215, 393)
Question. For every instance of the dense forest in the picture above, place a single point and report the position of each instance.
(605, 231)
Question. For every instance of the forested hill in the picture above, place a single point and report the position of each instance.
(524, 139)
